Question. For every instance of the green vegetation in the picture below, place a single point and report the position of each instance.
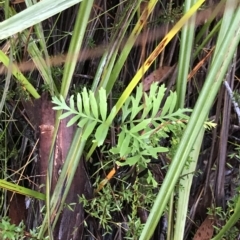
(83, 145)
(11, 231)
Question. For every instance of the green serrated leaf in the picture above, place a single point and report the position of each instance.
(101, 133)
(157, 101)
(111, 116)
(114, 150)
(153, 89)
(122, 163)
(128, 151)
(125, 145)
(173, 102)
(89, 129)
(71, 102)
(126, 113)
(181, 113)
(140, 126)
(161, 149)
(139, 91)
(135, 111)
(125, 109)
(62, 99)
(153, 151)
(146, 135)
(79, 102)
(132, 124)
(150, 179)
(82, 123)
(148, 103)
(103, 103)
(73, 120)
(93, 104)
(55, 100)
(65, 115)
(135, 144)
(209, 125)
(161, 91)
(121, 136)
(136, 107)
(167, 105)
(86, 104)
(61, 104)
(132, 160)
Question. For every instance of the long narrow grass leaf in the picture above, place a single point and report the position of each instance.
(28, 17)
(21, 190)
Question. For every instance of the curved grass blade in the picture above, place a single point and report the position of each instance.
(21, 190)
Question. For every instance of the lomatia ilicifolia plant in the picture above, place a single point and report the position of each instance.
(143, 125)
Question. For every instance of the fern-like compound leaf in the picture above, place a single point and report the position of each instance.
(61, 105)
(55, 100)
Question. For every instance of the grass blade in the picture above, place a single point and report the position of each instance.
(28, 17)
